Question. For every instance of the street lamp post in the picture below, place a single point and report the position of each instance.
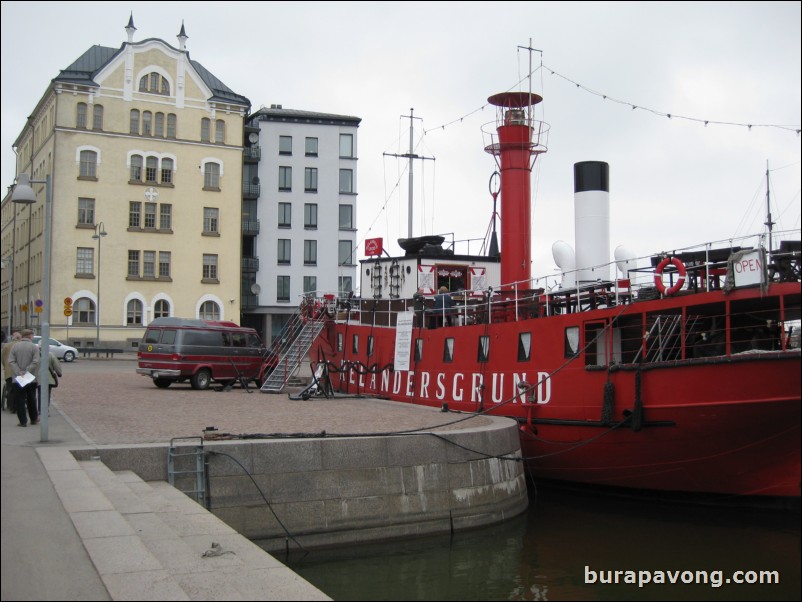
(100, 232)
(8, 263)
(23, 193)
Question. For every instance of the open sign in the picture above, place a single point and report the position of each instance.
(749, 268)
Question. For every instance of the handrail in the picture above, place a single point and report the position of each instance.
(542, 296)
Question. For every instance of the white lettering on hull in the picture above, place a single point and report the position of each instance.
(504, 386)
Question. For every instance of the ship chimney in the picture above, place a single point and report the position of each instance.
(515, 145)
(592, 220)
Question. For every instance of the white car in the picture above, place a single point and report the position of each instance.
(60, 350)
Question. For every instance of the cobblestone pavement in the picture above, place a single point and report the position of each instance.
(110, 403)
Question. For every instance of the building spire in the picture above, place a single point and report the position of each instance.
(182, 37)
(130, 29)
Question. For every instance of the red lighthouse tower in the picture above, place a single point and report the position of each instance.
(517, 142)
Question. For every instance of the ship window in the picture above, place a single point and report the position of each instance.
(448, 350)
(355, 346)
(453, 277)
(484, 349)
(418, 350)
(595, 344)
(339, 341)
(572, 341)
(524, 346)
(370, 346)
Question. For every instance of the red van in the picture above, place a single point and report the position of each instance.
(175, 350)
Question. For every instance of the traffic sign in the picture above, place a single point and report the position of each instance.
(67, 301)
(67, 311)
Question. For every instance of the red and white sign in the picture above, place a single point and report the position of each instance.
(373, 247)
(426, 280)
(750, 268)
(478, 281)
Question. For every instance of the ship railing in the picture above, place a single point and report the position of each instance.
(618, 283)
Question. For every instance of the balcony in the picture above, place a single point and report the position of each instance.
(250, 264)
(252, 153)
(249, 301)
(250, 227)
(251, 191)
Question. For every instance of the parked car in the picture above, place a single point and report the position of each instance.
(59, 349)
(181, 349)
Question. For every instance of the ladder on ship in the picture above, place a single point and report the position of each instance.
(296, 340)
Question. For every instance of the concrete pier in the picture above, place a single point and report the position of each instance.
(382, 470)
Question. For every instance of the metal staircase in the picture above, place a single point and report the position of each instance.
(295, 341)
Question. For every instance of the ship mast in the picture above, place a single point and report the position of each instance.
(411, 155)
(768, 223)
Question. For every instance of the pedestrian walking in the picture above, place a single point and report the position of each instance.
(23, 359)
(7, 397)
(54, 372)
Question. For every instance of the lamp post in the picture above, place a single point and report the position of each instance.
(100, 232)
(23, 193)
(8, 263)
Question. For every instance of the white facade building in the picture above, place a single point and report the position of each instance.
(299, 195)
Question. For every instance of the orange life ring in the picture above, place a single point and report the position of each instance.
(658, 276)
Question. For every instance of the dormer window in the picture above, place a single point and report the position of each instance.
(154, 83)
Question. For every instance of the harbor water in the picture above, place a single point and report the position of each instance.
(579, 546)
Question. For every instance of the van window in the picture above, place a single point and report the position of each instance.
(204, 338)
(168, 337)
(152, 335)
(253, 341)
(238, 339)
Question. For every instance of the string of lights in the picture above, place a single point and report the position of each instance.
(791, 128)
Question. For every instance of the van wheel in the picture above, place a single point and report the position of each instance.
(162, 383)
(201, 379)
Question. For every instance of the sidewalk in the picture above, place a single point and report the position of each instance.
(43, 557)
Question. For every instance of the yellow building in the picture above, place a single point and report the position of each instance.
(144, 150)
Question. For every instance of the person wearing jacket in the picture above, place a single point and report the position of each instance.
(54, 372)
(24, 358)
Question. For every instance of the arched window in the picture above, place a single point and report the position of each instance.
(211, 176)
(88, 164)
(97, 117)
(167, 171)
(147, 123)
(80, 115)
(171, 125)
(134, 313)
(151, 169)
(220, 131)
(206, 126)
(209, 311)
(83, 311)
(154, 83)
(136, 168)
(161, 309)
(134, 128)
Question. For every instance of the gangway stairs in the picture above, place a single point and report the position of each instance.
(296, 340)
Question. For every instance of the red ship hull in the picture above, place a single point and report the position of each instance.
(722, 420)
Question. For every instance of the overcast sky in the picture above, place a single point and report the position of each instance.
(674, 181)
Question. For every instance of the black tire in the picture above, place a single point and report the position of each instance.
(162, 383)
(201, 379)
(69, 356)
